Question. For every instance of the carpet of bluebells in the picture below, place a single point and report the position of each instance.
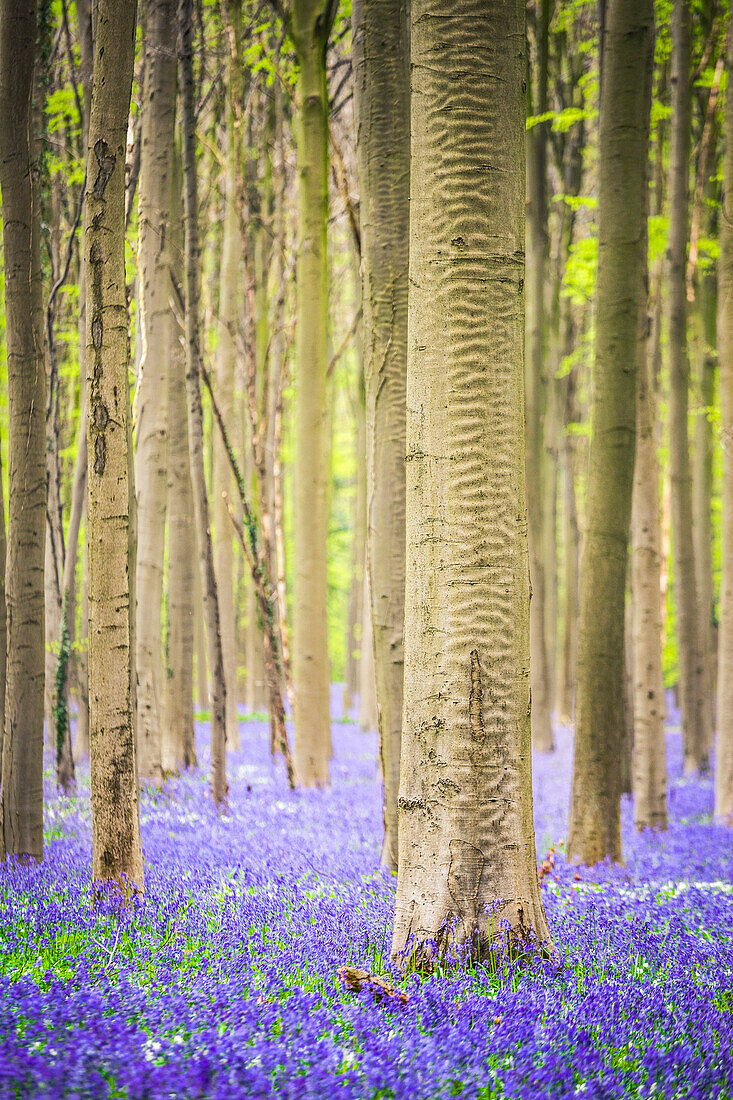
(223, 980)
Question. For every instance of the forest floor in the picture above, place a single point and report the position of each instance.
(223, 980)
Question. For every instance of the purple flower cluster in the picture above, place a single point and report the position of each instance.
(223, 981)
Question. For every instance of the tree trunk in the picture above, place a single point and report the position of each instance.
(116, 851)
(55, 716)
(565, 657)
(65, 758)
(381, 85)
(466, 838)
(229, 314)
(219, 786)
(537, 245)
(52, 599)
(571, 549)
(179, 748)
(151, 429)
(724, 748)
(81, 744)
(310, 26)
(551, 434)
(356, 618)
(21, 809)
(3, 614)
(368, 716)
(691, 665)
(199, 640)
(626, 745)
(79, 491)
(702, 479)
(85, 38)
(595, 830)
(649, 770)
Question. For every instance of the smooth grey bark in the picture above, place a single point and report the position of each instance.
(219, 786)
(594, 828)
(21, 805)
(692, 676)
(230, 305)
(157, 129)
(179, 747)
(381, 85)
(724, 746)
(310, 28)
(536, 389)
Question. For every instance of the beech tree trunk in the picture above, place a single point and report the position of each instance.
(65, 759)
(229, 313)
(81, 744)
(571, 549)
(595, 829)
(724, 746)
(116, 851)
(702, 477)
(466, 837)
(368, 716)
(537, 473)
(219, 785)
(356, 617)
(649, 770)
(310, 27)
(151, 429)
(692, 673)
(199, 640)
(79, 491)
(566, 650)
(3, 613)
(381, 85)
(179, 748)
(21, 805)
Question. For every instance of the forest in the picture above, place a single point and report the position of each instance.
(366, 512)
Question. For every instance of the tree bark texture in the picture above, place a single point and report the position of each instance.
(594, 830)
(179, 749)
(21, 808)
(3, 612)
(151, 428)
(536, 399)
(691, 666)
(116, 851)
(65, 770)
(703, 478)
(81, 743)
(649, 769)
(230, 307)
(215, 656)
(571, 552)
(310, 28)
(724, 746)
(355, 618)
(368, 716)
(466, 837)
(381, 85)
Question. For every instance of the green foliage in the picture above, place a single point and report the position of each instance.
(578, 357)
(658, 231)
(577, 202)
(562, 121)
(579, 279)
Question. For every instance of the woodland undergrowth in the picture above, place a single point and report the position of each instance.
(224, 980)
